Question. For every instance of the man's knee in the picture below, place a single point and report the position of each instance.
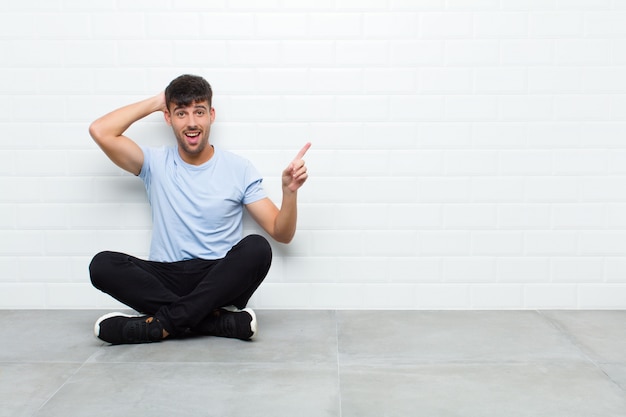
(99, 268)
(260, 247)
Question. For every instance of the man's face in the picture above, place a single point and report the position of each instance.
(191, 125)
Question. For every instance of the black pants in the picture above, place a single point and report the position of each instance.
(182, 294)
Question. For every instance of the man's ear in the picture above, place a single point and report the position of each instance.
(168, 117)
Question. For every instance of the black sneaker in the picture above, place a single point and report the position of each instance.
(118, 328)
(229, 322)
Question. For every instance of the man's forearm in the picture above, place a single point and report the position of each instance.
(114, 124)
(287, 218)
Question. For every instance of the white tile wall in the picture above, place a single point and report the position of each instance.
(466, 154)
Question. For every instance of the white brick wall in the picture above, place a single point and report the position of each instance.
(466, 154)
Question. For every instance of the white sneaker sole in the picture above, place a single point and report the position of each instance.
(253, 323)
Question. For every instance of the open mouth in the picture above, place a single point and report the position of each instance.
(193, 137)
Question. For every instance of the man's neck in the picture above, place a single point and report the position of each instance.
(197, 159)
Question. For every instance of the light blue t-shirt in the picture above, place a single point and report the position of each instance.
(197, 210)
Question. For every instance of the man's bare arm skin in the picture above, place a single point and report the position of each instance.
(281, 224)
(108, 132)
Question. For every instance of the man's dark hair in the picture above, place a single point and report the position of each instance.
(186, 89)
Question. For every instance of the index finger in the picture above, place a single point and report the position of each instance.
(303, 150)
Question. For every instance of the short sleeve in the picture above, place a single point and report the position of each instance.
(254, 192)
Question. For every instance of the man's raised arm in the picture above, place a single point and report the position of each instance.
(108, 132)
(281, 224)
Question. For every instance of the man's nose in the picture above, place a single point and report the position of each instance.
(191, 121)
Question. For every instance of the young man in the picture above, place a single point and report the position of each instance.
(200, 273)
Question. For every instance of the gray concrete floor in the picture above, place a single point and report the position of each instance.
(324, 363)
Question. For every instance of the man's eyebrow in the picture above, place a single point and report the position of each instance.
(197, 106)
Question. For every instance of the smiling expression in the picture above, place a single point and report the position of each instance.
(192, 125)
